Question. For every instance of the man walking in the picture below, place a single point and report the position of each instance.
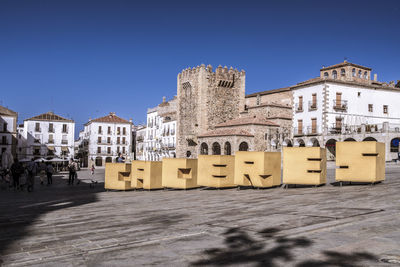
(16, 171)
(32, 169)
(72, 172)
(49, 172)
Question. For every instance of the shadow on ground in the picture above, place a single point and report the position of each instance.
(19, 210)
(271, 249)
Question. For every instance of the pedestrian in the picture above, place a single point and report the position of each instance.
(120, 159)
(92, 170)
(16, 171)
(72, 172)
(76, 173)
(42, 169)
(49, 172)
(32, 169)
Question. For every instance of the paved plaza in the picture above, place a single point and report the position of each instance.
(77, 225)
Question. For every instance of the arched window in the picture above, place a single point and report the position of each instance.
(353, 72)
(204, 149)
(365, 75)
(342, 72)
(359, 74)
(326, 75)
(334, 74)
(243, 146)
(188, 154)
(227, 148)
(216, 149)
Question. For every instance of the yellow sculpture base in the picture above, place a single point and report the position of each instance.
(216, 171)
(117, 176)
(179, 173)
(360, 162)
(146, 174)
(258, 169)
(304, 165)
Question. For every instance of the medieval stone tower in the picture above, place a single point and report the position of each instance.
(206, 98)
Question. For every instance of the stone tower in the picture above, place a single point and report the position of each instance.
(206, 98)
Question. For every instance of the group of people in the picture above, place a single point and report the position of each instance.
(30, 170)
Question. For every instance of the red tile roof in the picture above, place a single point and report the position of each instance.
(226, 132)
(49, 116)
(343, 64)
(247, 121)
(110, 118)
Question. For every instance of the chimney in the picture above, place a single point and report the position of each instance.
(375, 77)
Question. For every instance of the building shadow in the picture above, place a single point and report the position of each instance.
(21, 209)
(269, 249)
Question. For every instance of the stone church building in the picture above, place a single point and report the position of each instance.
(216, 117)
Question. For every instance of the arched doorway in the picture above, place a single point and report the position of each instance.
(394, 145)
(216, 148)
(369, 139)
(287, 143)
(99, 161)
(203, 149)
(331, 147)
(243, 146)
(108, 160)
(300, 143)
(349, 140)
(227, 148)
(313, 142)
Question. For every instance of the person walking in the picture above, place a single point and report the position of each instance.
(72, 172)
(49, 172)
(16, 171)
(92, 171)
(120, 159)
(42, 170)
(32, 169)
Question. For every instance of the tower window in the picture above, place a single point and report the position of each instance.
(342, 72)
(353, 72)
(326, 75)
(334, 74)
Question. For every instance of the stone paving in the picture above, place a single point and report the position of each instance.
(81, 226)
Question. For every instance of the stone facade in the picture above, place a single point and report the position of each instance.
(205, 99)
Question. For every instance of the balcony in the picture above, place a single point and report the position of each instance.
(340, 105)
(64, 142)
(298, 131)
(312, 106)
(312, 130)
(298, 107)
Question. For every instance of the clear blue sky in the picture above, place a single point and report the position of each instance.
(84, 59)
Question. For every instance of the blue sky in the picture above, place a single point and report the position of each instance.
(84, 59)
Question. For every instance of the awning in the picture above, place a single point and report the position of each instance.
(64, 149)
(50, 148)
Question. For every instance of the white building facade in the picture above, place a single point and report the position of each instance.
(8, 132)
(47, 136)
(106, 137)
(344, 104)
(140, 144)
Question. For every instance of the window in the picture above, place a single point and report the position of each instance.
(314, 101)
(266, 136)
(123, 150)
(326, 75)
(98, 149)
(5, 127)
(118, 140)
(370, 108)
(99, 129)
(123, 140)
(365, 75)
(353, 72)
(334, 74)
(227, 148)
(243, 146)
(109, 130)
(108, 140)
(300, 107)
(37, 127)
(342, 72)
(124, 131)
(216, 149)
(359, 74)
(99, 140)
(64, 128)
(385, 109)
(64, 140)
(314, 125)
(108, 150)
(300, 126)
(51, 140)
(118, 130)
(338, 100)
(338, 124)
(51, 128)
(117, 149)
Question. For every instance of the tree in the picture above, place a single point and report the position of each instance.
(398, 84)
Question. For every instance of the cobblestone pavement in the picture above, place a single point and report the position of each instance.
(81, 226)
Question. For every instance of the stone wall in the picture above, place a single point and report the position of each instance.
(204, 99)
